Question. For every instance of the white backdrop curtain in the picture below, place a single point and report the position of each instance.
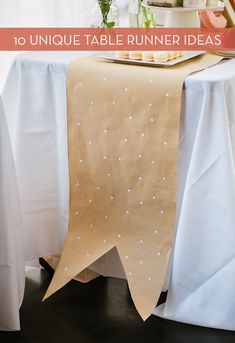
(47, 13)
(38, 13)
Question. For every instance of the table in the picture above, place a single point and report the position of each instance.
(201, 286)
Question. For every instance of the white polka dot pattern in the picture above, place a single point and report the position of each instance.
(123, 127)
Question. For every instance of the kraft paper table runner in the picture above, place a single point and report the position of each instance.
(123, 130)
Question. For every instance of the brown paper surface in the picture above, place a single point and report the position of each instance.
(123, 130)
(85, 276)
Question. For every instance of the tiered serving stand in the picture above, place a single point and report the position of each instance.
(183, 17)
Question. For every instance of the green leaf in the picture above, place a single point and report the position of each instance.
(105, 8)
(110, 25)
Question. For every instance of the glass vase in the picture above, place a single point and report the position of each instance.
(105, 14)
(140, 16)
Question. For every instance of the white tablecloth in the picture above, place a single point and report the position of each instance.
(202, 284)
(11, 233)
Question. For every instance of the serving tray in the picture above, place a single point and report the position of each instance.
(186, 56)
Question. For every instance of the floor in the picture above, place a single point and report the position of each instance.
(101, 311)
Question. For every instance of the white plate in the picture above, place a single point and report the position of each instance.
(186, 56)
(184, 9)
